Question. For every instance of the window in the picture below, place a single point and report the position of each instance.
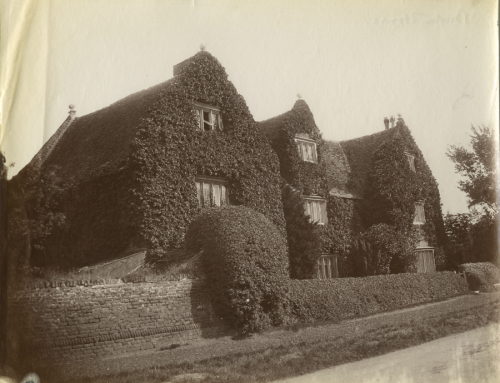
(411, 160)
(211, 191)
(315, 208)
(307, 149)
(419, 214)
(209, 117)
(327, 266)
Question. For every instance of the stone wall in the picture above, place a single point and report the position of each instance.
(78, 322)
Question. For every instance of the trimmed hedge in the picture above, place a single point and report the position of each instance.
(246, 262)
(331, 299)
(481, 276)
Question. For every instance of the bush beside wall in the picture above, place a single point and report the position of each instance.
(333, 299)
(246, 262)
(481, 276)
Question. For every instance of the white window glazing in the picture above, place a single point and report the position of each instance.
(411, 161)
(419, 214)
(209, 117)
(307, 150)
(327, 266)
(211, 192)
(315, 208)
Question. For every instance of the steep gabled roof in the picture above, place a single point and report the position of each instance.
(332, 154)
(271, 126)
(359, 153)
(102, 138)
(337, 167)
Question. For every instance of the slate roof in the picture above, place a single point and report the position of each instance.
(102, 138)
(359, 153)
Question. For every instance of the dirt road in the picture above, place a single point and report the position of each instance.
(473, 356)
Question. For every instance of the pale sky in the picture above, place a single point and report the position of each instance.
(353, 61)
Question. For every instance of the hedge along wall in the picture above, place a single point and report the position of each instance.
(169, 151)
(61, 323)
(331, 299)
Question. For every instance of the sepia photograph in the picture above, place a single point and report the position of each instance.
(249, 191)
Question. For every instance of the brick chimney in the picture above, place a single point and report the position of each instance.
(386, 123)
(392, 120)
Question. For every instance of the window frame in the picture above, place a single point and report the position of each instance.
(222, 185)
(411, 161)
(302, 143)
(214, 112)
(327, 266)
(419, 218)
(323, 212)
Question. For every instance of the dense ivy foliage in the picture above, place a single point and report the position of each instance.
(308, 177)
(304, 240)
(246, 262)
(393, 188)
(170, 150)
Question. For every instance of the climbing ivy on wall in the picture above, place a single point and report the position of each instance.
(169, 151)
(308, 177)
(393, 188)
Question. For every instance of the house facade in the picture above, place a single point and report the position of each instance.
(135, 174)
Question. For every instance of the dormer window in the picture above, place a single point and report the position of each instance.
(411, 160)
(211, 191)
(315, 208)
(306, 148)
(419, 214)
(208, 116)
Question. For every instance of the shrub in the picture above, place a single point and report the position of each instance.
(304, 241)
(245, 258)
(393, 250)
(481, 276)
(332, 299)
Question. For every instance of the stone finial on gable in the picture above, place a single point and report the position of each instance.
(72, 111)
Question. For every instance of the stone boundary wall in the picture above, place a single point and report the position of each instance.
(62, 322)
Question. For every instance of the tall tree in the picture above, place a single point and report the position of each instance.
(479, 169)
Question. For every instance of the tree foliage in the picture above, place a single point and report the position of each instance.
(478, 167)
(473, 237)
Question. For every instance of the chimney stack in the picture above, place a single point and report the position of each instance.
(386, 123)
(72, 112)
(392, 120)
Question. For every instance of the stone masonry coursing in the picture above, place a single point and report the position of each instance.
(72, 323)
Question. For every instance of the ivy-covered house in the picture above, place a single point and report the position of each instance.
(134, 174)
(374, 186)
